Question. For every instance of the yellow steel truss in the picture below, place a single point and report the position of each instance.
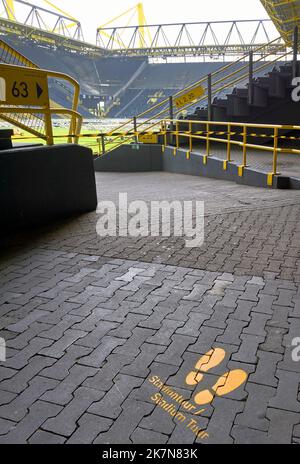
(59, 10)
(144, 33)
(9, 7)
(286, 16)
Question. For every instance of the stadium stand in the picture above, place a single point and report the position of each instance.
(97, 76)
(139, 85)
(158, 81)
(271, 100)
(127, 93)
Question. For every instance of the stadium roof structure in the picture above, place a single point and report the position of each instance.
(207, 39)
(286, 16)
(216, 39)
(45, 26)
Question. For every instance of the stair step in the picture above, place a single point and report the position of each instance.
(263, 82)
(278, 85)
(221, 102)
(268, 90)
(201, 113)
(260, 96)
(219, 113)
(241, 92)
(287, 76)
(286, 69)
(237, 106)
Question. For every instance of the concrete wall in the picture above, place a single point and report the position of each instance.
(294, 183)
(42, 183)
(150, 158)
(214, 168)
(131, 158)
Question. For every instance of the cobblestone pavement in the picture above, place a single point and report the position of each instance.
(102, 335)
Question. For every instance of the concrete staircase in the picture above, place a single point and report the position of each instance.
(269, 101)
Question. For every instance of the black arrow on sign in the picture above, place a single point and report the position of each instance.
(39, 90)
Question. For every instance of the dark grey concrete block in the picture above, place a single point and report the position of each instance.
(39, 184)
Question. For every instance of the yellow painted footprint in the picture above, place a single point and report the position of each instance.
(227, 383)
(211, 359)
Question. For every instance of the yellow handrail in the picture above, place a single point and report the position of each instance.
(39, 116)
(209, 136)
(199, 82)
(15, 55)
(204, 97)
(76, 95)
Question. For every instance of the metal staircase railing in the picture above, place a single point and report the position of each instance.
(9, 55)
(32, 118)
(238, 72)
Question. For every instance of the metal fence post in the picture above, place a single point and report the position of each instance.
(49, 129)
(165, 136)
(295, 52)
(275, 154)
(191, 138)
(135, 129)
(177, 135)
(205, 157)
(209, 97)
(244, 144)
(171, 108)
(250, 88)
(103, 144)
(270, 178)
(225, 163)
(171, 115)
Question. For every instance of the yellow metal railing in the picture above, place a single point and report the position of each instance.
(226, 77)
(153, 121)
(36, 118)
(198, 136)
(228, 137)
(38, 123)
(9, 55)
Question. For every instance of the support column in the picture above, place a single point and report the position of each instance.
(135, 129)
(295, 51)
(250, 87)
(171, 107)
(103, 144)
(171, 116)
(209, 97)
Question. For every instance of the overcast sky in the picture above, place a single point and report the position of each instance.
(94, 13)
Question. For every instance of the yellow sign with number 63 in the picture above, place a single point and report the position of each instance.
(23, 86)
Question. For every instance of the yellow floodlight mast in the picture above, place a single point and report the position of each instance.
(10, 9)
(142, 24)
(138, 10)
(62, 12)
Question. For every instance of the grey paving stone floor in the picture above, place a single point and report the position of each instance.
(102, 334)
